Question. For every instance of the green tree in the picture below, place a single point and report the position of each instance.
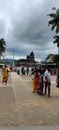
(2, 47)
(54, 22)
(57, 42)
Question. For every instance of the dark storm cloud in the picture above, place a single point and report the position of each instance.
(33, 28)
(26, 26)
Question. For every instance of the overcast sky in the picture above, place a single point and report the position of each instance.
(24, 26)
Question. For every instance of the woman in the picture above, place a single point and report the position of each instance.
(35, 81)
(57, 79)
(4, 75)
(40, 86)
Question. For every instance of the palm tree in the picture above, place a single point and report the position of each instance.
(57, 41)
(2, 47)
(54, 22)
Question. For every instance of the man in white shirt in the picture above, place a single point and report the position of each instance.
(47, 80)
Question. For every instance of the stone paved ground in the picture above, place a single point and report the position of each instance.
(19, 106)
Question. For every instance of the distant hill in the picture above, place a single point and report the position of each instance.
(8, 61)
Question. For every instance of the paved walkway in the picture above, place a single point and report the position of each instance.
(30, 128)
(21, 109)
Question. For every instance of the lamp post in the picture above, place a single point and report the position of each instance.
(13, 58)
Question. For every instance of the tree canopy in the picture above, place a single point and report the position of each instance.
(54, 22)
(2, 47)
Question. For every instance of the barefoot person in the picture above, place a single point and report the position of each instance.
(4, 75)
(47, 77)
(35, 81)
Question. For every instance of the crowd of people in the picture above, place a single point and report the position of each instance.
(41, 78)
(41, 81)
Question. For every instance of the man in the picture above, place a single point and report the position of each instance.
(47, 80)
